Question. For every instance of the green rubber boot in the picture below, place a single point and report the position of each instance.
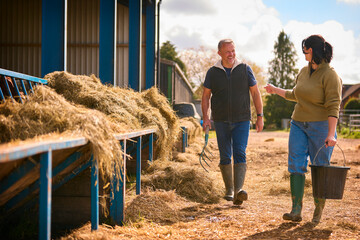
(319, 207)
(240, 194)
(227, 174)
(297, 184)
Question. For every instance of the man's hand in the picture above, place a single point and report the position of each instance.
(206, 122)
(259, 124)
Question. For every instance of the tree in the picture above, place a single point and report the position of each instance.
(282, 73)
(353, 104)
(168, 51)
(197, 62)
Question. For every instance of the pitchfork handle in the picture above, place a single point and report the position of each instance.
(207, 129)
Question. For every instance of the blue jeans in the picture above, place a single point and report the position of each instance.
(306, 138)
(232, 139)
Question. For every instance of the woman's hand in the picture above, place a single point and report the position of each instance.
(330, 141)
(270, 88)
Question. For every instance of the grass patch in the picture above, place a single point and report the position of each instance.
(345, 133)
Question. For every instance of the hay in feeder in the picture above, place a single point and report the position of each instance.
(193, 127)
(46, 112)
(148, 109)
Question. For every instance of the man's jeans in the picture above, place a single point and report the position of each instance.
(305, 139)
(232, 139)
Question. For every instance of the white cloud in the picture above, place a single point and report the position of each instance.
(346, 56)
(189, 7)
(254, 29)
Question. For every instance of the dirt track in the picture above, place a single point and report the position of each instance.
(267, 184)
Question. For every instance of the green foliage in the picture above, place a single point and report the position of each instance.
(168, 51)
(282, 73)
(345, 133)
(353, 103)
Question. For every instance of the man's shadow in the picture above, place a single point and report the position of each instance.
(291, 230)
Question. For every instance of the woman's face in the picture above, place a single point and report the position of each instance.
(308, 54)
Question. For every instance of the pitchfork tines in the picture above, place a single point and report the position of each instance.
(203, 155)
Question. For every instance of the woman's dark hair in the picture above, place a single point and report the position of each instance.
(321, 49)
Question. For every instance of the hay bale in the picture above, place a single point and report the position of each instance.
(193, 126)
(47, 112)
(189, 182)
(153, 206)
(135, 110)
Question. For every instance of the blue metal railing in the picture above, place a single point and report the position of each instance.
(17, 86)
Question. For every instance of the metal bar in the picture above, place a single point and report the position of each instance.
(138, 165)
(94, 194)
(135, 16)
(30, 86)
(16, 175)
(117, 198)
(22, 76)
(64, 164)
(16, 89)
(107, 46)
(134, 134)
(2, 95)
(73, 174)
(27, 150)
(30, 189)
(186, 137)
(151, 144)
(122, 188)
(53, 36)
(150, 44)
(183, 139)
(8, 89)
(23, 86)
(45, 196)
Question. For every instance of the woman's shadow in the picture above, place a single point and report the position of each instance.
(291, 230)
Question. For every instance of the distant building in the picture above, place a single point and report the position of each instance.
(349, 91)
(173, 83)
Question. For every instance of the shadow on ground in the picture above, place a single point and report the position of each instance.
(293, 231)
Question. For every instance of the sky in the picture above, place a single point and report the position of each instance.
(254, 25)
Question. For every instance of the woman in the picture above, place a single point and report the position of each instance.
(313, 125)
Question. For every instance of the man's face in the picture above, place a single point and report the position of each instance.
(227, 54)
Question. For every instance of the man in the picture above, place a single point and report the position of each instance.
(228, 83)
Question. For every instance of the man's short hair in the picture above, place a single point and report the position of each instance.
(224, 41)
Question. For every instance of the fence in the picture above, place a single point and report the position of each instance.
(354, 122)
(344, 117)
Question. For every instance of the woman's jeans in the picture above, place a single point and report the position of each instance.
(305, 139)
(232, 139)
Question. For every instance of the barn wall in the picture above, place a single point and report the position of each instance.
(20, 41)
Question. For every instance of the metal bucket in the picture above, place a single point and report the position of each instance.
(328, 181)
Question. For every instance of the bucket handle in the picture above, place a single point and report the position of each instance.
(329, 161)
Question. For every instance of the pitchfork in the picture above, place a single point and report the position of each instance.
(203, 152)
